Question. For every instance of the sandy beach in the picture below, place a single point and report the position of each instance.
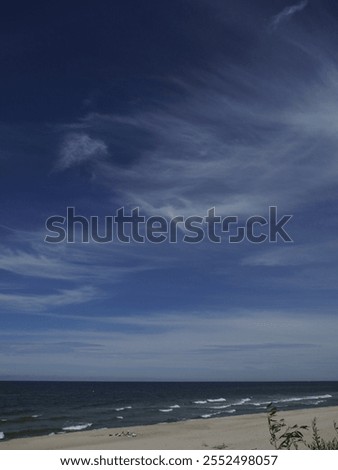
(235, 432)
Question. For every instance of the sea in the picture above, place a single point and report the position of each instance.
(45, 408)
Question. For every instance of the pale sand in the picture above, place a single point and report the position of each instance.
(233, 432)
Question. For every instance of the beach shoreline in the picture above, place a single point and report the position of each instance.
(240, 432)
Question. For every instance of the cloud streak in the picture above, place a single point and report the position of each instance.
(79, 148)
(38, 302)
(238, 151)
(287, 13)
(179, 346)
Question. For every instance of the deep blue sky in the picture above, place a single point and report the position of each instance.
(175, 107)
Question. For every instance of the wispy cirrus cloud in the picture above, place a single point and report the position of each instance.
(180, 344)
(287, 13)
(85, 271)
(239, 148)
(40, 265)
(73, 264)
(26, 254)
(22, 303)
(79, 148)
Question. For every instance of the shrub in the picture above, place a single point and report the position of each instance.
(281, 435)
(318, 443)
(287, 437)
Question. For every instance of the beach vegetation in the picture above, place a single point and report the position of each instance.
(318, 443)
(283, 436)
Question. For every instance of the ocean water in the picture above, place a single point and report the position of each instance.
(40, 408)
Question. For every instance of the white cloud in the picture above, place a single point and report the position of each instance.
(76, 262)
(240, 139)
(79, 148)
(87, 270)
(238, 154)
(23, 303)
(233, 345)
(39, 265)
(287, 13)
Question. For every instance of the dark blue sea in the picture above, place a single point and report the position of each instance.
(40, 408)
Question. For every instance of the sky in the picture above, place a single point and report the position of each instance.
(174, 107)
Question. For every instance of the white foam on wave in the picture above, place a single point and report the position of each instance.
(231, 411)
(215, 400)
(221, 407)
(3, 419)
(315, 397)
(200, 402)
(320, 398)
(242, 401)
(2, 435)
(210, 415)
(36, 416)
(78, 427)
(123, 408)
(174, 406)
(166, 410)
(119, 417)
